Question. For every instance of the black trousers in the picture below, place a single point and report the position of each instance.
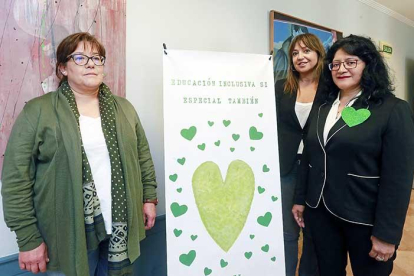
(334, 238)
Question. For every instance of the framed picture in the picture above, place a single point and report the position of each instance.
(283, 28)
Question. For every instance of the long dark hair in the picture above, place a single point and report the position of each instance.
(375, 83)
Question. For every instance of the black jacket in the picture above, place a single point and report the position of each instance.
(290, 133)
(364, 173)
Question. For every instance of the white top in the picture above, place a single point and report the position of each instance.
(98, 157)
(302, 111)
(332, 118)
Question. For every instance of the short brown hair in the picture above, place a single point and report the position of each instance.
(312, 42)
(69, 44)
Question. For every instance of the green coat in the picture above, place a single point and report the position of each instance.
(42, 180)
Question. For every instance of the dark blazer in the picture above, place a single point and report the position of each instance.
(290, 133)
(364, 173)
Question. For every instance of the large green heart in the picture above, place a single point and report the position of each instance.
(224, 207)
(354, 117)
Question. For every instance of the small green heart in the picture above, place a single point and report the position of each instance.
(252, 237)
(173, 177)
(210, 123)
(265, 248)
(232, 149)
(354, 117)
(207, 271)
(202, 146)
(217, 143)
(223, 263)
(273, 259)
(177, 232)
(237, 190)
(179, 190)
(194, 237)
(261, 190)
(189, 133)
(265, 220)
(274, 198)
(178, 210)
(181, 161)
(260, 115)
(254, 134)
(188, 259)
(236, 137)
(265, 168)
(226, 123)
(248, 255)
(252, 148)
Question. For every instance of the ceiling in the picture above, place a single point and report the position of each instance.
(403, 7)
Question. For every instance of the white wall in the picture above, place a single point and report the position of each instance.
(228, 26)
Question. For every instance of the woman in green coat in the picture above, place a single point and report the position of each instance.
(78, 178)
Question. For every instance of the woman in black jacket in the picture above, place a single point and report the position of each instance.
(297, 98)
(358, 164)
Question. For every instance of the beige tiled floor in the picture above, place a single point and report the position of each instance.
(404, 264)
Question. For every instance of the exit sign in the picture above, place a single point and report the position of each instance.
(385, 49)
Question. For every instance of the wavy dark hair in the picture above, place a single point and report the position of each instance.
(375, 83)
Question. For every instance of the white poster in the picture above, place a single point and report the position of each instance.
(223, 206)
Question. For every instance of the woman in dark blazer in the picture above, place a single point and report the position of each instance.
(297, 98)
(358, 164)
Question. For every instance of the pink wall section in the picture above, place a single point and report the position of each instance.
(30, 31)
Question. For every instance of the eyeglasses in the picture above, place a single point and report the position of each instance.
(82, 60)
(348, 64)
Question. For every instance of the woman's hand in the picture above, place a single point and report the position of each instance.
(34, 260)
(297, 212)
(150, 213)
(381, 250)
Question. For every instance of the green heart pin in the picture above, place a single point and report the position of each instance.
(189, 133)
(237, 191)
(354, 117)
(188, 259)
(178, 210)
(254, 134)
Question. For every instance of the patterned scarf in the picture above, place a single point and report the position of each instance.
(118, 261)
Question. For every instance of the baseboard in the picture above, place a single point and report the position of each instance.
(153, 260)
